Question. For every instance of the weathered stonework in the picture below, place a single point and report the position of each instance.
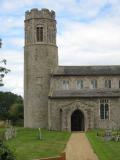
(90, 109)
(39, 59)
(47, 103)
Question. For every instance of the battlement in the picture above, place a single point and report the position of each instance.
(43, 13)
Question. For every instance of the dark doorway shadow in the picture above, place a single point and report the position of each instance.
(77, 121)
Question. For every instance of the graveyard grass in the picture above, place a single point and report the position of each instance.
(105, 150)
(27, 145)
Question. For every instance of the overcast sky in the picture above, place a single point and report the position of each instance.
(88, 33)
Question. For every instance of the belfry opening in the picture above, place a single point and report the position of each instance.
(77, 121)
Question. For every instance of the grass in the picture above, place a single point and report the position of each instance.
(27, 145)
(102, 132)
(106, 150)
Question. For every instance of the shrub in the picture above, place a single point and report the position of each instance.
(101, 133)
(5, 152)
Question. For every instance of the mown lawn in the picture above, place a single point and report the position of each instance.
(106, 150)
(27, 145)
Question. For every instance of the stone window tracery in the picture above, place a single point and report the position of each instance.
(39, 34)
(104, 109)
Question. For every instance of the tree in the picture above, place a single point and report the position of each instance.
(16, 112)
(7, 100)
(3, 69)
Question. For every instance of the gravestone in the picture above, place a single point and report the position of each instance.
(10, 133)
(108, 134)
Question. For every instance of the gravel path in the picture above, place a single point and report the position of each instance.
(79, 148)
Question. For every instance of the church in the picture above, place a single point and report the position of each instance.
(64, 98)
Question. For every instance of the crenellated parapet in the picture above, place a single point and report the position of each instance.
(43, 13)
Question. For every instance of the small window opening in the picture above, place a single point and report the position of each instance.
(93, 84)
(65, 84)
(39, 34)
(79, 84)
(107, 83)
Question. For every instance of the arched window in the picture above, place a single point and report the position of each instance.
(104, 109)
(79, 84)
(39, 34)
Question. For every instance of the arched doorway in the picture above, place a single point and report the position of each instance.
(77, 121)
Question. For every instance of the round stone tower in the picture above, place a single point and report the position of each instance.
(40, 57)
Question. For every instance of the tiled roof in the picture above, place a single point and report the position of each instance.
(85, 93)
(86, 70)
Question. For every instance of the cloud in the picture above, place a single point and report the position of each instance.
(86, 8)
(12, 56)
(16, 42)
(14, 5)
(96, 43)
(9, 23)
(14, 80)
(13, 83)
(88, 34)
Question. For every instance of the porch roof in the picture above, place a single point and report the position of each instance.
(102, 93)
